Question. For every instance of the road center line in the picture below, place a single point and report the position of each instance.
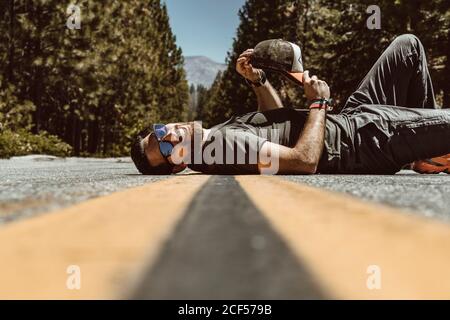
(108, 238)
(339, 238)
(223, 248)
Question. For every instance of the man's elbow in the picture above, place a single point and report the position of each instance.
(309, 168)
(304, 164)
(307, 163)
(292, 161)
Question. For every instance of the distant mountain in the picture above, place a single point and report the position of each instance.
(202, 70)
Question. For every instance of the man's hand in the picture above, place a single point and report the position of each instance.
(245, 69)
(315, 88)
(266, 95)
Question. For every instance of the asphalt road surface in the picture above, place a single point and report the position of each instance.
(425, 194)
(252, 237)
(35, 184)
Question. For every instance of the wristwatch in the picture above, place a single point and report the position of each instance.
(262, 80)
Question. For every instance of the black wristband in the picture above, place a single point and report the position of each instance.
(262, 80)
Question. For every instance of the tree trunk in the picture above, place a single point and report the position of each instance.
(446, 85)
(12, 16)
(93, 136)
(76, 136)
(37, 85)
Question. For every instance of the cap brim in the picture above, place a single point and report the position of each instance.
(296, 77)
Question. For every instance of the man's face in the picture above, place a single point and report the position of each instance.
(176, 132)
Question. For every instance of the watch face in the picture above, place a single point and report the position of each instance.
(262, 80)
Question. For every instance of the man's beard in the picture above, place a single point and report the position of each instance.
(192, 149)
(196, 143)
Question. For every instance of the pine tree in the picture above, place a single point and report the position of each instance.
(339, 47)
(259, 20)
(336, 45)
(201, 94)
(94, 87)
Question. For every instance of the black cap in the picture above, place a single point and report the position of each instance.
(280, 56)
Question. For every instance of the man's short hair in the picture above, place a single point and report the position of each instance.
(140, 159)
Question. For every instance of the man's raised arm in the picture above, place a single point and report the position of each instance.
(304, 157)
(266, 95)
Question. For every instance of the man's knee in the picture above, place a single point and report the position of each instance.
(408, 40)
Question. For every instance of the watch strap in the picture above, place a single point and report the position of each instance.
(262, 80)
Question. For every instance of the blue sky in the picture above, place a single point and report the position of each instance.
(204, 27)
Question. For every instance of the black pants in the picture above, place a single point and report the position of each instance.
(392, 117)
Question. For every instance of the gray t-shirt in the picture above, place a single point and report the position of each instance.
(245, 135)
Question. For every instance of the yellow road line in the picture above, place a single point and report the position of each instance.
(338, 237)
(108, 238)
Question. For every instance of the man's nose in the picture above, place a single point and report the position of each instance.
(173, 136)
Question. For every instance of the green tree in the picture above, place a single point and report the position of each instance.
(336, 45)
(340, 48)
(94, 87)
(201, 110)
(259, 20)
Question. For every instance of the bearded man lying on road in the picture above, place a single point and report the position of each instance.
(391, 120)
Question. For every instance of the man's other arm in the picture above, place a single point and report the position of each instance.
(304, 157)
(267, 97)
